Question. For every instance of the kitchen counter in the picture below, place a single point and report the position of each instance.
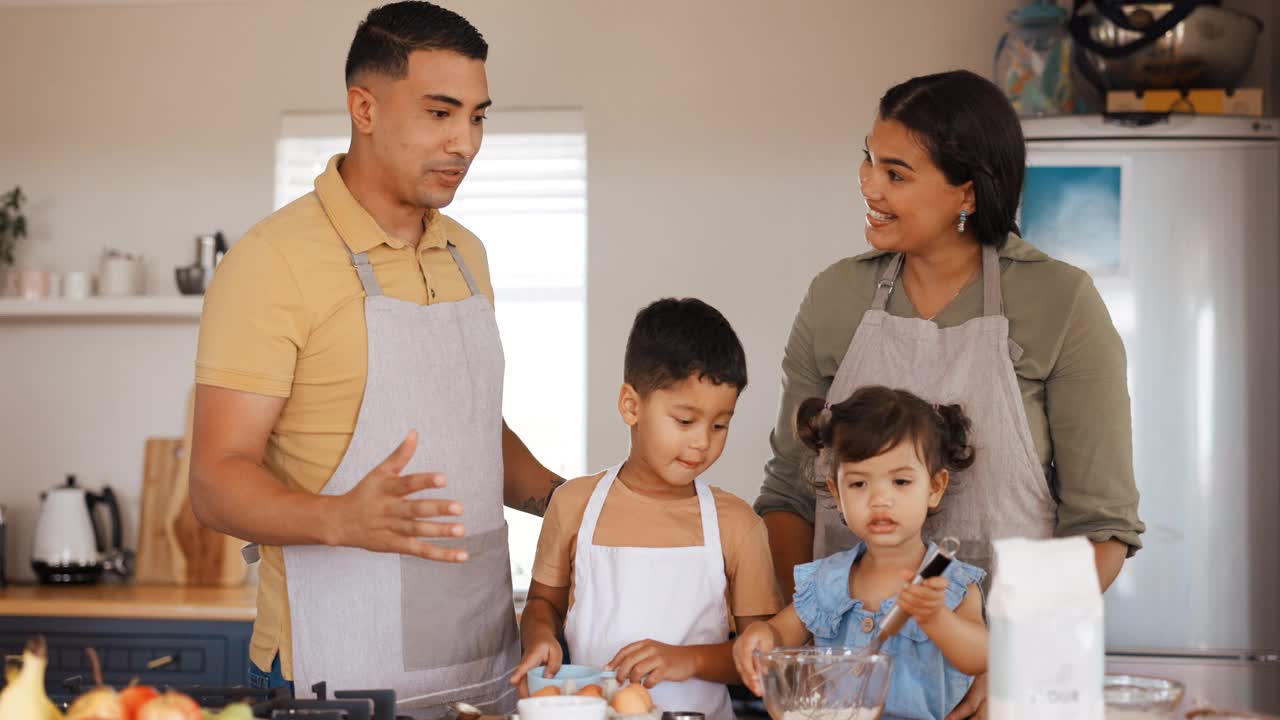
(126, 600)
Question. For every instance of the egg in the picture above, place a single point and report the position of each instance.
(547, 691)
(632, 700)
(591, 691)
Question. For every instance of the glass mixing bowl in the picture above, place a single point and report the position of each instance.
(1136, 697)
(824, 683)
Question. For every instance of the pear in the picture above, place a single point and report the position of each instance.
(23, 697)
(101, 703)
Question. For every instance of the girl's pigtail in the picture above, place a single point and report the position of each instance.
(957, 450)
(813, 422)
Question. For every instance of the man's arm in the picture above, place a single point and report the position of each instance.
(232, 492)
(527, 485)
(791, 544)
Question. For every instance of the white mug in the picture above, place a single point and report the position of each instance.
(120, 276)
(77, 285)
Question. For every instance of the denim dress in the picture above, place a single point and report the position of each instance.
(924, 686)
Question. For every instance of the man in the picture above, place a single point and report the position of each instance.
(349, 396)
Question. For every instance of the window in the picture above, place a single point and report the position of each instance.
(525, 197)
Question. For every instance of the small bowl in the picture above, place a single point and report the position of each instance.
(579, 676)
(562, 708)
(1141, 693)
(192, 279)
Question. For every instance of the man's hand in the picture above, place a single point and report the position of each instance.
(652, 662)
(376, 514)
(974, 704)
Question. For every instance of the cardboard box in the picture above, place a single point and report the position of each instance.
(1244, 101)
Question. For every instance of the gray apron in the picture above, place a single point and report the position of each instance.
(1004, 494)
(434, 632)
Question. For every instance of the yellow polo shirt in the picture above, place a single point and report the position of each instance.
(284, 316)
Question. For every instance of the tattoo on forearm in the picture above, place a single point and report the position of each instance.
(538, 505)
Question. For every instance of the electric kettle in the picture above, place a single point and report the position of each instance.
(69, 546)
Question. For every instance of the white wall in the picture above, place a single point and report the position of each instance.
(1265, 71)
(723, 137)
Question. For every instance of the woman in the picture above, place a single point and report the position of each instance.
(952, 305)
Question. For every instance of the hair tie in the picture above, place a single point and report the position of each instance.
(824, 421)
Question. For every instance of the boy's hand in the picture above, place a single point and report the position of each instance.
(924, 601)
(759, 636)
(651, 662)
(543, 651)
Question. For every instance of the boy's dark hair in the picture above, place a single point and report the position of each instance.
(389, 33)
(972, 133)
(673, 340)
(876, 419)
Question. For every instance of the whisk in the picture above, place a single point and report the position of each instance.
(935, 563)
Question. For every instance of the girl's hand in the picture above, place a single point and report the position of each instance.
(759, 636)
(651, 662)
(925, 600)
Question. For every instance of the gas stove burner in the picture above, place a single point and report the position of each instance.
(220, 697)
(279, 703)
(345, 705)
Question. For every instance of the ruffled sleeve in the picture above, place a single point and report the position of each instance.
(822, 594)
(960, 576)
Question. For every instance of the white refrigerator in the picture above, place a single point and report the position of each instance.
(1178, 222)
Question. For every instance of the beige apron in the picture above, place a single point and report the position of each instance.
(1004, 494)
(434, 632)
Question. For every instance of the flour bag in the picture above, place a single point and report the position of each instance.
(1047, 649)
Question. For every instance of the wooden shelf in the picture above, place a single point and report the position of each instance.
(178, 307)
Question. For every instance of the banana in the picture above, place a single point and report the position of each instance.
(23, 697)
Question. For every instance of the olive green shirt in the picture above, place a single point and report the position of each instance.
(1071, 372)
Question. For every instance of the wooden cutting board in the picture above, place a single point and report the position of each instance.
(173, 548)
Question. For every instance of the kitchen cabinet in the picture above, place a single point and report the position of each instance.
(160, 635)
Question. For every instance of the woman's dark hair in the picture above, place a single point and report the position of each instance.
(875, 419)
(673, 340)
(972, 133)
(389, 33)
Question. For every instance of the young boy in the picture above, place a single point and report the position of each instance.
(643, 565)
